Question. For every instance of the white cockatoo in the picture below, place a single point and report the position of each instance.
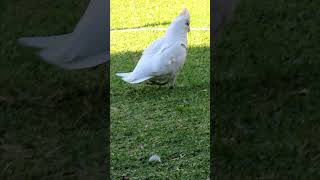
(161, 61)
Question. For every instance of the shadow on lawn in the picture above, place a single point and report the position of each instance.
(146, 25)
(194, 76)
(267, 93)
(154, 115)
(53, 123)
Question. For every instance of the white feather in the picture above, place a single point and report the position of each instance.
(155, 158)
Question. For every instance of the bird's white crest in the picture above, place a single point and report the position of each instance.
(185, 13)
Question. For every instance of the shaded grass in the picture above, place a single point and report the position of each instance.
(267, 92)
(150, 119)
(52, 122)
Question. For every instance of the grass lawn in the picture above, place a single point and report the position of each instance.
(267, 96)
(52, 122)
(148, 120)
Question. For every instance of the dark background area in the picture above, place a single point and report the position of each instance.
(266, 92)
(53, 123)
(266, 100)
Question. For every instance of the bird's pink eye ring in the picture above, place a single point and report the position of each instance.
(187, 23)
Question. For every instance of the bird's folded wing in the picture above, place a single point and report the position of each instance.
(154, 47)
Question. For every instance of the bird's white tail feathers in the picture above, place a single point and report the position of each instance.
(126, 77)
(123, 74)
(136, 81)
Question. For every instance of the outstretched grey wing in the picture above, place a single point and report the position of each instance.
(85, 47)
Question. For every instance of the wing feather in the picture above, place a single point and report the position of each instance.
(154, 47)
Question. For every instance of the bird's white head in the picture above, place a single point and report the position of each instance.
(182, 22)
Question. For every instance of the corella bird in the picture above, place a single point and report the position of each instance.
(161, 61)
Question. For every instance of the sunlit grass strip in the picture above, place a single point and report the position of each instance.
(155, 29)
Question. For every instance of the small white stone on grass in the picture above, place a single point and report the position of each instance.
(155, 158)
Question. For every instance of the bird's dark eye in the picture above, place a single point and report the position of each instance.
(187, 23)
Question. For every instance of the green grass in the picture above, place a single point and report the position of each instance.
(52, 122)
(267, 92)
(148, 13)
(148, 120)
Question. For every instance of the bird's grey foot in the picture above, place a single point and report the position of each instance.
(172, 83)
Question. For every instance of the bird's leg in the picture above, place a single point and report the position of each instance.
(172, 83)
